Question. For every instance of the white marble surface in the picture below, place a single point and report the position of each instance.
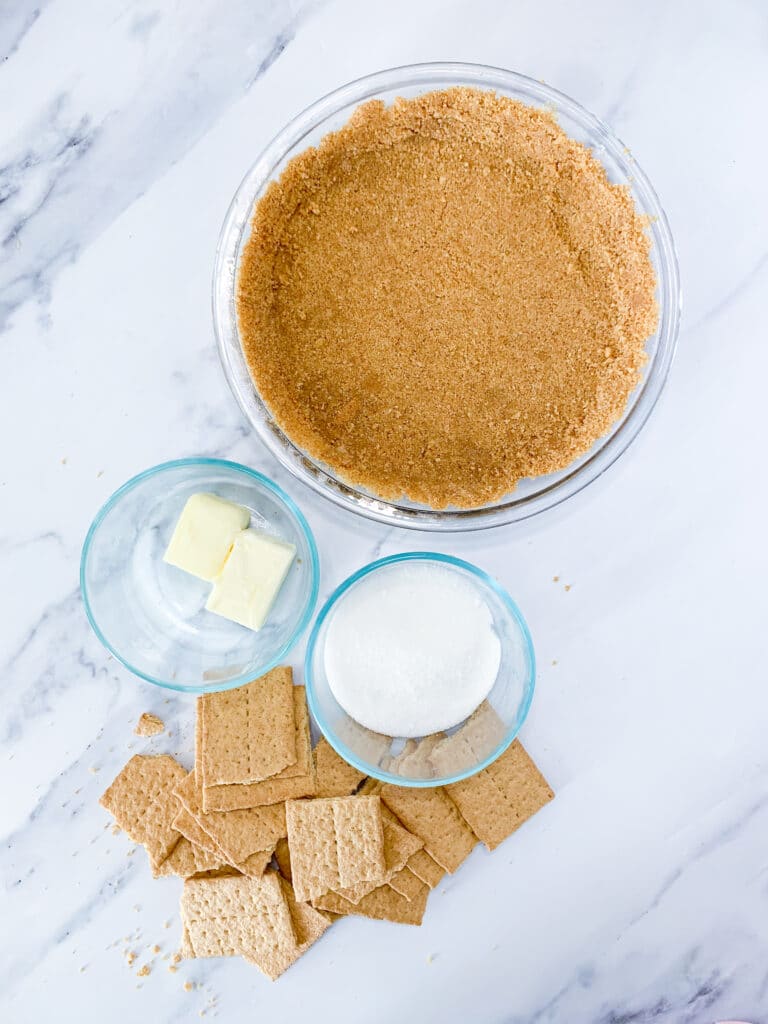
(641, 893)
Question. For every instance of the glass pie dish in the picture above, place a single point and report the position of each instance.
(531, 495)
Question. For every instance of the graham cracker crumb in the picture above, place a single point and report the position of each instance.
(130, 957)
(155, 949)
(176, 958)
(446, 296)
(172, 968)
(149, 725)
(188, 986)
(143, 971)
(567, 587)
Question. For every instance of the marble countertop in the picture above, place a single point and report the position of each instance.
(641, 893)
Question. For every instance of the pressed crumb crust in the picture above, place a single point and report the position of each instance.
(447, 295)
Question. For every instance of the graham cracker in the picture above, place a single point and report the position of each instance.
(335, 842)
(149, 725)
(399, 846)
(499, 799)
(249, 734)
(237, 915)
(407, 883)
(427, 869)
(142, 802)
(283, 786)
(283, 859)
(383, 904)
(335, 777)
(432, 815)
(238, 834)
(187, 859)
(474, 741)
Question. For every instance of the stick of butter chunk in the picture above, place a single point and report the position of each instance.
(204, 534)
(251, 578)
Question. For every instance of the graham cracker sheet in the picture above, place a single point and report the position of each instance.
(248, 734)
(297, 782)
(432, 815)
(335, 842)
(142, 802)
(502, 797)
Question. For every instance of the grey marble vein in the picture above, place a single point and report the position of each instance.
(81, 161)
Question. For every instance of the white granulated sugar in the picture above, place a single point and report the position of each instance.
(411, 649)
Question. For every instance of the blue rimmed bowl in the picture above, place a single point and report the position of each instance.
(463, 750)
(151, 616)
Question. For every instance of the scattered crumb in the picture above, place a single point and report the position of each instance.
(567, 586)
(116, 830)
(172, 968)
(94, 769)
(188, 986)
(155, 949)
(143, 971)
(149, 725)
(166, 924)
(555, 579)
(176, 958)
(130, 957)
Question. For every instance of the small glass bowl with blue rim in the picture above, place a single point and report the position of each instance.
(465, 749)
(151, 616)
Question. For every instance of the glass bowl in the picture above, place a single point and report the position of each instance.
(441, 758)
(331, 112)
(151, 616)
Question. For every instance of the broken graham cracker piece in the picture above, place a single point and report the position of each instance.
(407, 883)
(335, 777)
(284, 786)
(432, 815)
(426, 868)
(498, 800)
(399, 846)
(248, 734)
(335, 842)
(187, 859)
(149, 725)
(382, 904)
(142, 802)
(234, 915)
(238, 834)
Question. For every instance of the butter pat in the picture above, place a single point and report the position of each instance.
(204, 535)
(251, 578)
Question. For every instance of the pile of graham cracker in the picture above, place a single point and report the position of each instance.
(275, 840)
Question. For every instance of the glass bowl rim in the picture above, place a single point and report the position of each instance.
(486, 580)
(260, 478)
(606, 451)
